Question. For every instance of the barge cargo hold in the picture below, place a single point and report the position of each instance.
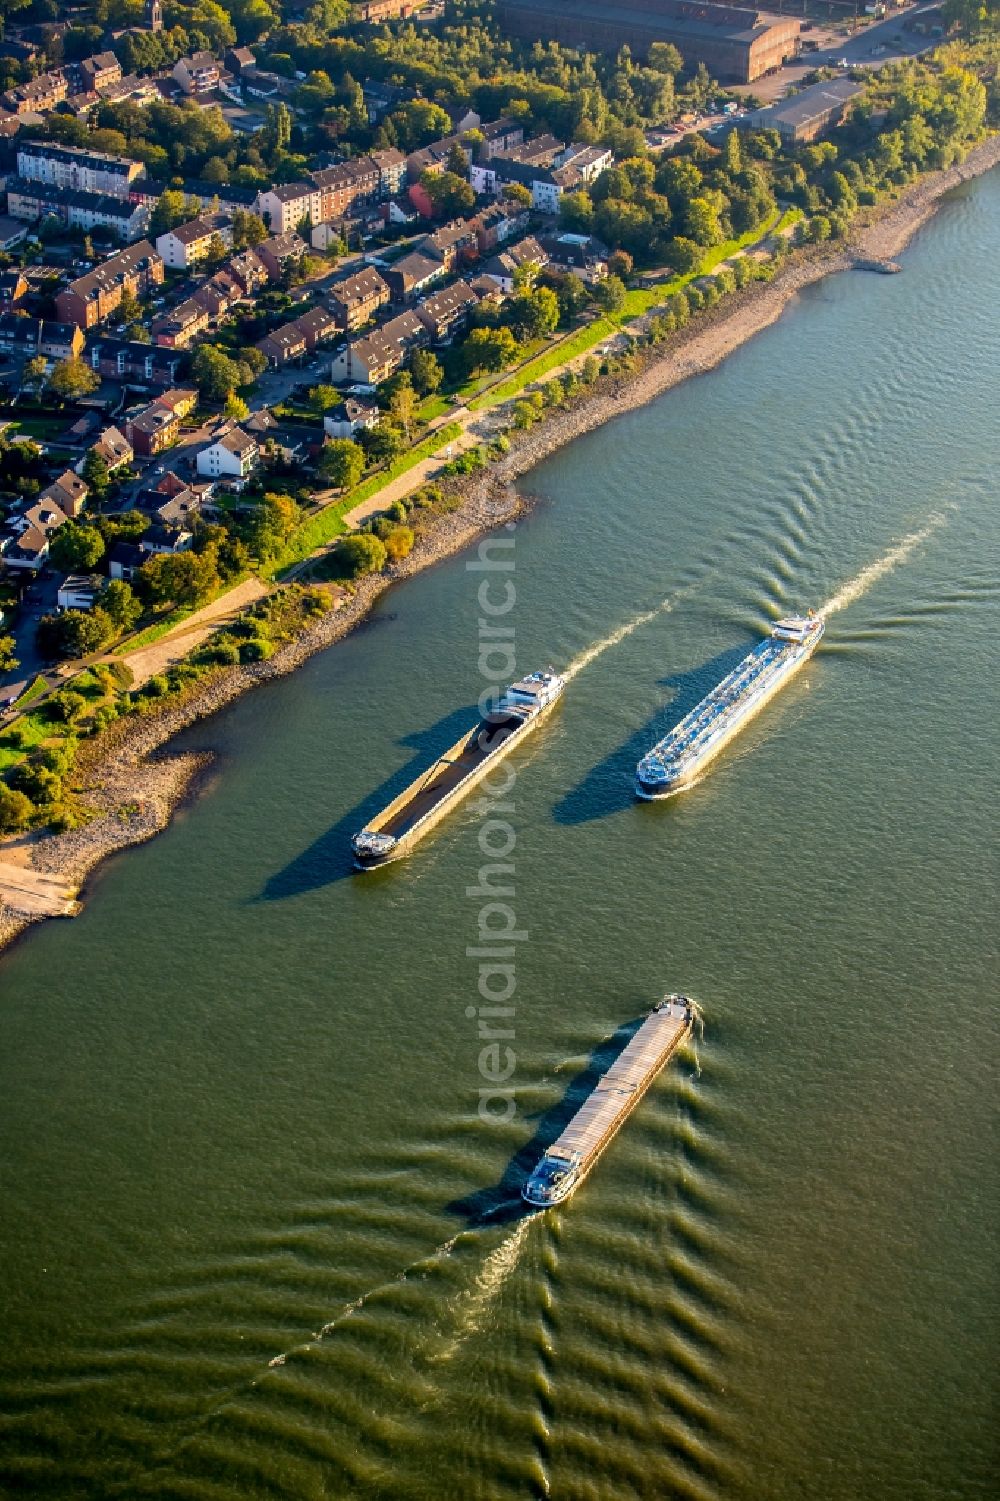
(570, 1158)
(393, 832)
(675, 762)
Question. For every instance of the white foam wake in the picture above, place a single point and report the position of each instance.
(869, 575)
(616, 636)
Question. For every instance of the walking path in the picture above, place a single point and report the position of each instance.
(187, 634)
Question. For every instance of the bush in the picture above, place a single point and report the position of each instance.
(16, 810)
(65, 705)
(397, 511)
(360, 554)
(155, 687)
(37, 782)
(399, 543)
(255, 651)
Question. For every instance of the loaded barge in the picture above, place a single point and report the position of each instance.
(570, 1158)
(675, 762)
(405, 821)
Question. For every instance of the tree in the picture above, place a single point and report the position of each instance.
(75, 546)
(534, 314)
(426, 370)
(572, 296)
(236, 408)
(95, 471)
(323, 399)
(129, 309)
(169, 211)
(181, 578)
(457, 161)
(35, 370)
(72, 379)
(382, 444)
(684, 255)
(702, 222)
(517, 193)
(359, 554)
(450, 195)
(74, 633)
(16, 810)
(403, 402)
(609, 294)
(342, 463)
(119, 601)
(620, 264)
(489, 349)
(215, 374)
(273, 521)
(8, 657)
(249, 229)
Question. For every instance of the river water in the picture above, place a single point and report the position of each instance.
(257, 1239)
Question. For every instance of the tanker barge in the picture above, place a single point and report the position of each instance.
(571, 1156)
(675, 762)
(405, 821)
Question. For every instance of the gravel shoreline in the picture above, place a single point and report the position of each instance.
(134, 790)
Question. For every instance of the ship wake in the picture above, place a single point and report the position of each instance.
(869, 575)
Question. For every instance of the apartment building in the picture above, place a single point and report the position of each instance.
(92, 298)
(187, 244)
(381, 353)
(355, 300)
(75, 167)
(197, 74)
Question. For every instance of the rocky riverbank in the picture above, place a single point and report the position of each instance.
(133, 790)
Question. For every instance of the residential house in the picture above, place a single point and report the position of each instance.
(498, 223)
(77, 167)
(588, 161)
(378, 355)
(355, 300)
(12, 232)
(257, 84)
(499, 135)
(351, 417)
(452, 244)
(434, 157)
(197, 74)
(79, 591)
(74, 208)
(187, 244)
(233, 456)
(90, 299)
(445, 313)
(413, 274)
(28, 550)
(218, 295)
(212, 197)
(164, 539)
(127, 359)
(157, 425)
(124, 561)
(247, 268)
(238, 58)
(181, 326)
(13, 290)
(346, 187)
(20, 334)
(317, 326)
(43, 516)
(380, 99)
(38, 96)
(376, 11)
(68, 493)
(283, 344)
(582, 254)
(131, 89)
(391, 165)
(283, 208)
(114, 448)
(280, 253)
(503, 268)
(100, 71)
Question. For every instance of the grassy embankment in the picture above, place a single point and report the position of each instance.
(638, 302)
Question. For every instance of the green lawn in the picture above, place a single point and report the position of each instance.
(158, 628)
(638, 302)
(431, 407)
(329, 522)
(30, 731)
(37, 688)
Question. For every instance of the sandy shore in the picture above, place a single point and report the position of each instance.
(133, 790)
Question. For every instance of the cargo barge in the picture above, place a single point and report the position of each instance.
(570, 1158)
(393, 832)
(675, 762)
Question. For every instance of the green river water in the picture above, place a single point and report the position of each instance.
(257, 1240)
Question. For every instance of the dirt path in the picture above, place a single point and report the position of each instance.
(189, 633)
